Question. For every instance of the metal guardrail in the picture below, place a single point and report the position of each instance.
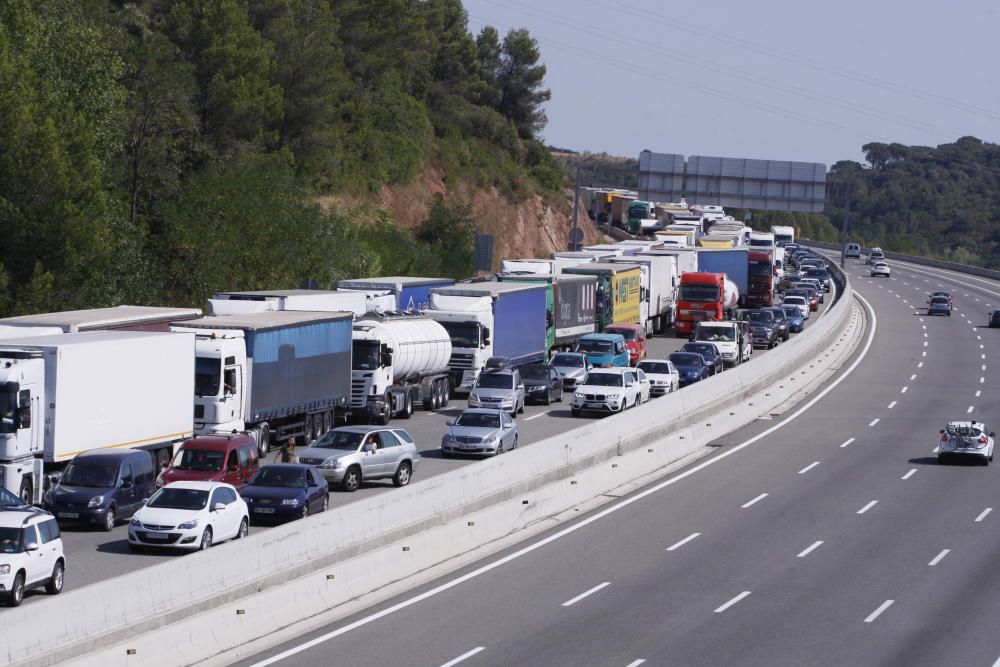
(913, 259)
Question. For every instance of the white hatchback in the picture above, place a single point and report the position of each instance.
(189, 515)
(662, 374)
(880, 269)
(799, 302)
(966, 439)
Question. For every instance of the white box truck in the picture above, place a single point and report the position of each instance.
(124, 318)
(322, 301)
(70, 393)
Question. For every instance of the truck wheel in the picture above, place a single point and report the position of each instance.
(327, 421)
(263, 440)
(384, 418)
(308, 430)
(27, 491)
(407, 406)
(445, 392)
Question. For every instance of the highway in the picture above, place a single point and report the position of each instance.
(828, 535)
(95, 556)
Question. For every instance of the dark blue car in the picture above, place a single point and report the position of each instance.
(709, 352)
(690, 366)
(284, 491)
(795, 320)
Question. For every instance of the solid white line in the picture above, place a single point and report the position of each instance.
(751, 502)
(732, 602)
(847, 442)
(809, 467)
(939, 557)
(875, 614)
(969, 411)
(683, 542)
(569, 530)
(808, 550)
(635, 663)
(892, 405)
(983, 514)
(462, 657)
(903, 390)
(584, 594)
(540, 414)
(868, 507)
(874, 421)
(909, 474)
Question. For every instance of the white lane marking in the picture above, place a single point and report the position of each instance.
(984, 367)
(847, 442)
(924, 353)
(808, 550)
(982, 347)
(969, 411)
(979, 338)
(983, 514)
(909, 474)
(875, 614)
(982, 380)
(540, 414)
(732, 602)
(635, 663)
(904, 390)
(920, 365)
(874, 421)
(925, 336)
(924, 326)
(982, 356)
(977, 298)
(751, 502)
(939, 557)
(569, 530)
(687, 539)
(913, 377)
(925, 343)
(979, 393)
(892, 405)
(809, 467)
(867, 507)
(585, 594)
(906, 302)
(464, 656)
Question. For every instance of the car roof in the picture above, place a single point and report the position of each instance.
(19, 517)
(614, 370)
(653, 361)
(481, 411)
(365, 428)
(972, 424)
(199, 486)
(108, 455)
(217, 443)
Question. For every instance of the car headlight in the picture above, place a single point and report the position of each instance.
(614, 397)
(331, 464)
(135, 522)
(448, 438)
(5, 569)
(290, 501)
(508, 398)
(96, 501)
(187, 525)
(578, 394)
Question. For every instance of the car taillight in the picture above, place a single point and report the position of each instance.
(944, 438)
(983, 440)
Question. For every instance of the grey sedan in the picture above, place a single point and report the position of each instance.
(480, 431)
(349, 454)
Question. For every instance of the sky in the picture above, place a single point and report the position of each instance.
(772, 79)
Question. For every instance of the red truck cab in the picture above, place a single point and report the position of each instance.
(635, 340)
(762, 270)
(213, 458)
(700, 297)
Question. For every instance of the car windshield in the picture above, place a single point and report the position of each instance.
(685, 359)
(280, 476)
(345, 440)
(594, 346)
(716, 334)
(534, 372)
(817, 272)
(758, 317)
(478, 420)
(964, 431)
(698, 293)
(701, 348)
(791, 311)
(658, 367)
(794, 300)
(628, 334)
(940, 301)
(100, 476)
(495, 381)
(204, 460)
(8, 499)
(171, 498)
(604, 379)
(207, 375)
(568, 360)
(10, 540)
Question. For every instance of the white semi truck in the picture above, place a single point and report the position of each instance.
(124, 318)
(69, 393)
(323, 301)
(399, 361)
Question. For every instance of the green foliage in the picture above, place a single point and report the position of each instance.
(514, 78)
(449, 230)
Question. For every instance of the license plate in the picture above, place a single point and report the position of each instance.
(69, 515)
(264, 510)
(467, 447)
(595, 405)
(157, 536)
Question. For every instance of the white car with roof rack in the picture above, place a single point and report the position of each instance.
(31, 550)
(961, 439)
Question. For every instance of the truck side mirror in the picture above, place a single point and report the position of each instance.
(386, 359)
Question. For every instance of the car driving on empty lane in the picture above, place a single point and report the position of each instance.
(970, 440)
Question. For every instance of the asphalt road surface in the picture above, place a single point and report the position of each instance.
(834, 539)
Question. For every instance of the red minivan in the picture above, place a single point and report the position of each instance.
(213, 458)
(635, 340)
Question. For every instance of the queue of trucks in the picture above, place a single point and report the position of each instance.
(282, 363)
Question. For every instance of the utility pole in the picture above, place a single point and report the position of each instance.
(574, 235)
(843, 225)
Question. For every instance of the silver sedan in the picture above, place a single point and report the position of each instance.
(480, 431)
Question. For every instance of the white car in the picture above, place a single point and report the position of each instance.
(799, 302)
(606, 390)
(645, 386)
(662, 374)
(880, 269)
(31, 552)
(966, 439)
(190, 515)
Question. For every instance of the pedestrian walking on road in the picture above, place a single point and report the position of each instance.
(287, 452)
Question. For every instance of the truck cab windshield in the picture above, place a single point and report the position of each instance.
(463, 334)
(760, 269)
(698, 293)
(365, 355)
(207, 373)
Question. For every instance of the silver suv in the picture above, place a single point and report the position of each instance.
(31, 553)
(349, 454)
(500, 388)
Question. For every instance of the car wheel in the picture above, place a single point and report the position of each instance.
(55, 585)
(352, 480)
(407, 407)
(16, 595)
(941, 459)
(27, 493)
(305, 511)
(326, 503)
(520, 410)
(548, 397)
(561, 392)
(402, 476)
(386, 415)
(514, 446)
(500, 448)
(109, 520)
(245, 528)
(206, 540)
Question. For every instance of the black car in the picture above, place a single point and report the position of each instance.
(763, 327)
(709, 352)
(283, 491)
(781, 319)
(820, 274)
(994, 319)
(542, 384)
